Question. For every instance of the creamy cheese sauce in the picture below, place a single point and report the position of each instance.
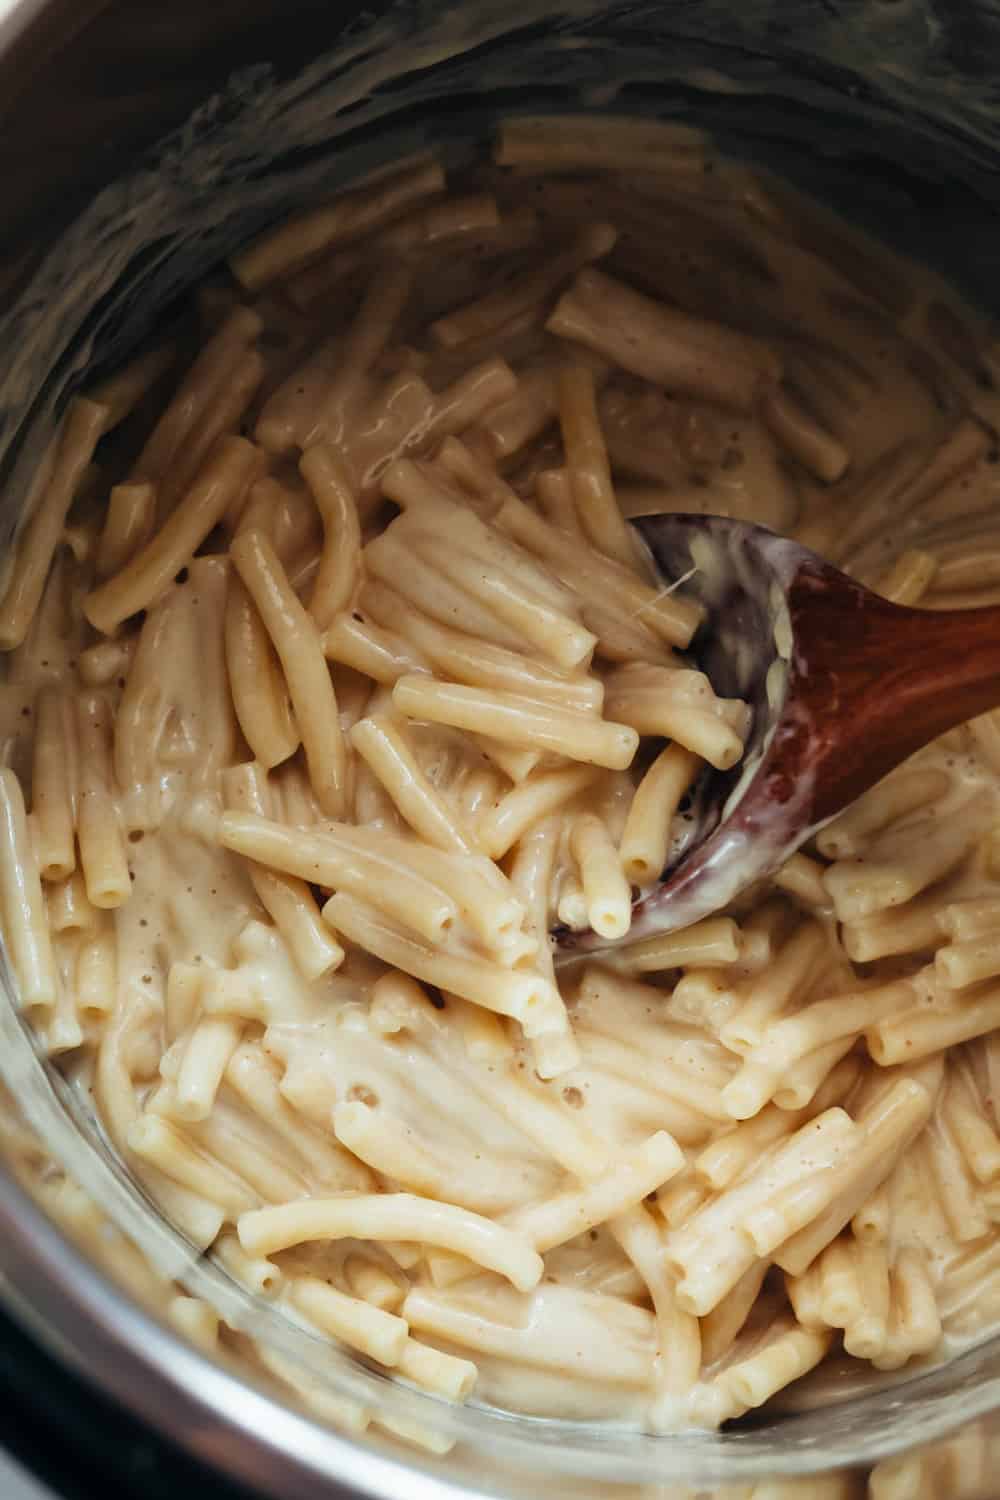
(882, 361)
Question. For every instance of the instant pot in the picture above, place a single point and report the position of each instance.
(139, 143)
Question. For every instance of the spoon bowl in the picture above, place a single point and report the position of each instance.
(842, 685)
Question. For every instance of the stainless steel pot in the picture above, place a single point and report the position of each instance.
(891, 104)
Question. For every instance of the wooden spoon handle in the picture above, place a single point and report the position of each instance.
(877, 681)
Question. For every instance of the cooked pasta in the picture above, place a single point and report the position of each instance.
(326, 706)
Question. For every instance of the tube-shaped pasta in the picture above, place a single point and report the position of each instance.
(720, 1327)
(517, 721)
(160, 1144)
(103, 662)
(128, 525)
(288, 901)
(674, 704)
(222, 415)
(910, 1035)
(629, 1180)
(102, 842)
(480, 663)
(337, 575)
(428, 499)
(588, 467)
(513, 424)
(788, 1354)
(893, 798)
(393, 1216)
(909, 578)
(69, 909)
(196, 1321)
(249, 1153)
(717, 1246)
(912, 928)
(468, 641)
(531, 875)
(536, 798)
(483, 1034)
(22, 906)
(872, 1223)
(865, 1336)
(805, 1295)
(679, 1200)
(964, 920)
(444, 1374)
(182, 1000)
(804, 1078)
(526, 997)
(571, 907)
(36, 546)
(555, 497)
(53, 784)
(480, 891)
(686, 355)
(340, 1414)
(380, 1335)
(761, 932)
(389, 1148)
(549, 631)
(395, 565)
(645, 840)
(96, 975)
(915, 1323)
(620, 1352)
(204, 1061)
(802, 878)
(899, 866)
(364, 341)
(225, 474)
(600, 579)
(795, 967)
(550, 1127)
(297, 642)
(828, 1021)
(961, 964)
(260, 696)
(195, 392)
(257, 1274)
(724, 1159)
(567, 141)
(888, 1127)
(715, 941)
(494, 309)
(347, 218)
(255, 1081)
(659, 1074)
(679, 1353)
(791, 1207)
(839, 1285)
(122, 391)
(370, 1281)
(955, 1188)
(383, 746)
(343, 863)
(376, 653)
(605, 889)
(448, 219)
(803, 438)
(293, 405)
(966, 444)
(975, 1137)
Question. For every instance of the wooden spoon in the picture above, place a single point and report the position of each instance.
(843, 687)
